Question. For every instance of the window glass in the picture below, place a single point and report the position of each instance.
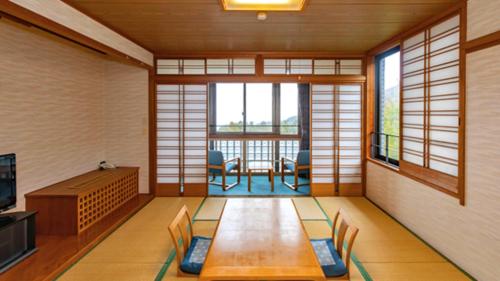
(259, 108)
(289, 109)
(229, 105)
(387, 113)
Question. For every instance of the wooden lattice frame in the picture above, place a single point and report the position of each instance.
(95, 204)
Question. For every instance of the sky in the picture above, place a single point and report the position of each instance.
(259, 102)
(392, 70)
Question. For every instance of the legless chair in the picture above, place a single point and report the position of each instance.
(329, 251)
(191, 256)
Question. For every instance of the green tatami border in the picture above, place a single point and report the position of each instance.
(171, 256)
(354, 259)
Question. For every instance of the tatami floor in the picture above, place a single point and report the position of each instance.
(141, 248)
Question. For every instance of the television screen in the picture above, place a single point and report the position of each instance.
(7, 181)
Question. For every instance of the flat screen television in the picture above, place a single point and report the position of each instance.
(7, 181)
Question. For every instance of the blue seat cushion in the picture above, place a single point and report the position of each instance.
(329, 259)
(291, 167)
(229, 167)
(195, 255)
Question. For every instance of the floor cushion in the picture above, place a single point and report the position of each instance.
(329, 259)
(195, 255)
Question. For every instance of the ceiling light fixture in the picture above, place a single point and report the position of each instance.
(261, 16)
(263, 5)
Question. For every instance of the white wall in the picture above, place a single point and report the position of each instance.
(126, 118)
(64, 108)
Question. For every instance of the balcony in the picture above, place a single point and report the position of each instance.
(257, 153)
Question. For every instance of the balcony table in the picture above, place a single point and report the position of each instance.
(261, 168)
(261, 239)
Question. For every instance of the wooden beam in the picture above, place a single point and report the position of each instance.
(483, 42)
(46, 24)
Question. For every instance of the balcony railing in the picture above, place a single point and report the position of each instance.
(257, 153)
(385, 147)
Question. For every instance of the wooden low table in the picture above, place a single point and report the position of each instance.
(268, 170)
(261, 239)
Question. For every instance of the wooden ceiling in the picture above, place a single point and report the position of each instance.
(186, 26)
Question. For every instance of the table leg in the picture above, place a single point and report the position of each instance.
(249, 180)
(271, 175)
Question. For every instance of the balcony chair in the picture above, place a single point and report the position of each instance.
(299, 167)
(195, 248)
(330, 251)
(218, 167)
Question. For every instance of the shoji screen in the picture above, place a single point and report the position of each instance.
(431, 103)
(181, 139)
(323, 140)
(336, 139)
(194, 136)
(168, 133)
(349, 131)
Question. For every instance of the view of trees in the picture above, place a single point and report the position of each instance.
(391, 122)
(288, 126)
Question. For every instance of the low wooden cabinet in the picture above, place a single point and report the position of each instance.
(74, 205)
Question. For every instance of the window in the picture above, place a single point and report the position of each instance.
(289, 109)
(259, 108)
(254, 108)
(386, 135)
(229, 101)
(431, 106)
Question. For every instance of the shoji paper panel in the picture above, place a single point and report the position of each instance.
(288, 66)
(444, 96)
(231, 66)
(193, 67)
(301, 66)
(430, 97)
(182, 137)
(351, 67)
(338, 67)
(323, 137)
(168, 67)
(324, 67)
(180, 66)
(168, 108)
(218, 66)
(413, 97)
(195, 133)
(349, 131)
(275, 66)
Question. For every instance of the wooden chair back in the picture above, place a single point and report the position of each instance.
(345, 228)
(181, 232)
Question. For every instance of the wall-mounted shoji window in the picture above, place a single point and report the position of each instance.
(182, 139)
(313, 66)
(180, 66)
(231, 66)
(431, 97)
(336, 139)
(221, 66)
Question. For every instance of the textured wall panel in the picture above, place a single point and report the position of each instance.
(62, 13)
(65, 108)
(126, 118)
(482, 18)
(51, 110)
(468, 235)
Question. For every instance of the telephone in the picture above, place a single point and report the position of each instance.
(106, 166)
